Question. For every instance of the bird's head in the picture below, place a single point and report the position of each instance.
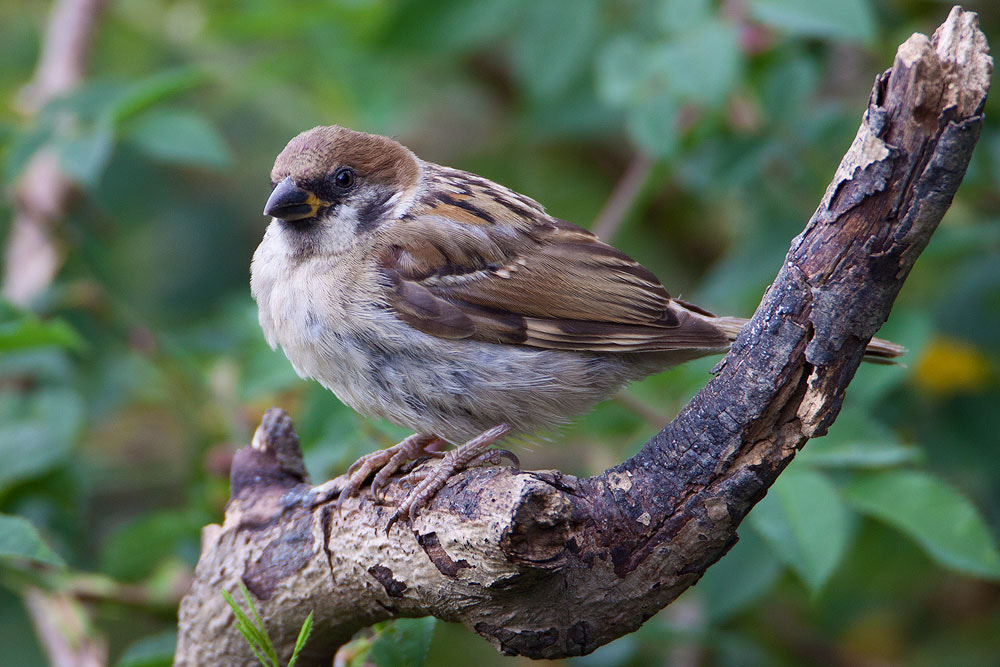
(333, 177)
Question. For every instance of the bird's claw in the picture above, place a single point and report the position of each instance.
(384, 463)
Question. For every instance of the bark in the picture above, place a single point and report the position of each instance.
(548, 565)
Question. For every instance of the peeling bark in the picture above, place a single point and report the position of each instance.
(547, 565)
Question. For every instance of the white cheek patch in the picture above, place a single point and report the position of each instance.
(339, 232)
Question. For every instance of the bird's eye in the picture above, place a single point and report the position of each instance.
(344, 178)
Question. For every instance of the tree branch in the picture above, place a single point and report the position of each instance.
(43, 192)
(547, 565)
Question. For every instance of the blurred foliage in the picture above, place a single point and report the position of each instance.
(127, 387)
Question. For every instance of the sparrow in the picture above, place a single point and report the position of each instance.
(453, 306)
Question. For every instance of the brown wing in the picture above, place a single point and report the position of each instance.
(531, 281)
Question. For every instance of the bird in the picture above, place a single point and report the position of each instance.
(451, 305)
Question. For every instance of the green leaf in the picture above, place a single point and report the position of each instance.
(301, 640)
(653, 126)
(832, 453)
(23, 148)
(620, 70)
(554, 43)
(680, 15)
(256, 637)
(84, 154)
(940, 519)
(262, 637)
(19, 539)
(134, 550)
(154, 651)
(701, 65)
(150, 91)
(27, 331)
(175, 135)
(448, 25)
(842, 19)
(740, 578)
(37, 432)
(404, 642)
(804, 520)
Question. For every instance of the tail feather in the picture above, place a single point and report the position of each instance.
(879, 350)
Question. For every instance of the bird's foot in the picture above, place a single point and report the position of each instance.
(430, 481)
(386, 462)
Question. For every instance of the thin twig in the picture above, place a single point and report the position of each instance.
(43, 192)
(63, 629)
(610, 219)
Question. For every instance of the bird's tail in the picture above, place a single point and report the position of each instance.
(879, 350)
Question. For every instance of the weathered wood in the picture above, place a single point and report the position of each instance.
(548, 565)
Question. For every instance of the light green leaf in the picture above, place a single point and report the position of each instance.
(26, 331)
(839, 19)
(37, 432)
(23, 146)
(804, 520)
(832, 453)
(175, 135)
(404, 642)
(554, 43)
(940, 519)
(300, 641)
(701, 65)
(681, 15)
(653, 126)
(84, 154)
(19, 539)
(152, 90)
(620, 70)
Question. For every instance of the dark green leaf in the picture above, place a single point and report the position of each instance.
(20, 540)
(940, 519)
(404, 643)
(449, 25)
(804, 520)
(155, 651)
(134, 550)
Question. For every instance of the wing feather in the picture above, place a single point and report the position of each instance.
(512, 275)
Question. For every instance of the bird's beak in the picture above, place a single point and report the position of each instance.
(290, 202)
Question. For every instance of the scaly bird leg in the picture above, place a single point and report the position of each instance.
(398, 460)
(491, 457)
(452, 462)
(385, 461)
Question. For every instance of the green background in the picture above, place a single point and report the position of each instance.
(126, 387)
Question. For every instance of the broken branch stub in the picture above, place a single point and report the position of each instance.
(548, 565)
